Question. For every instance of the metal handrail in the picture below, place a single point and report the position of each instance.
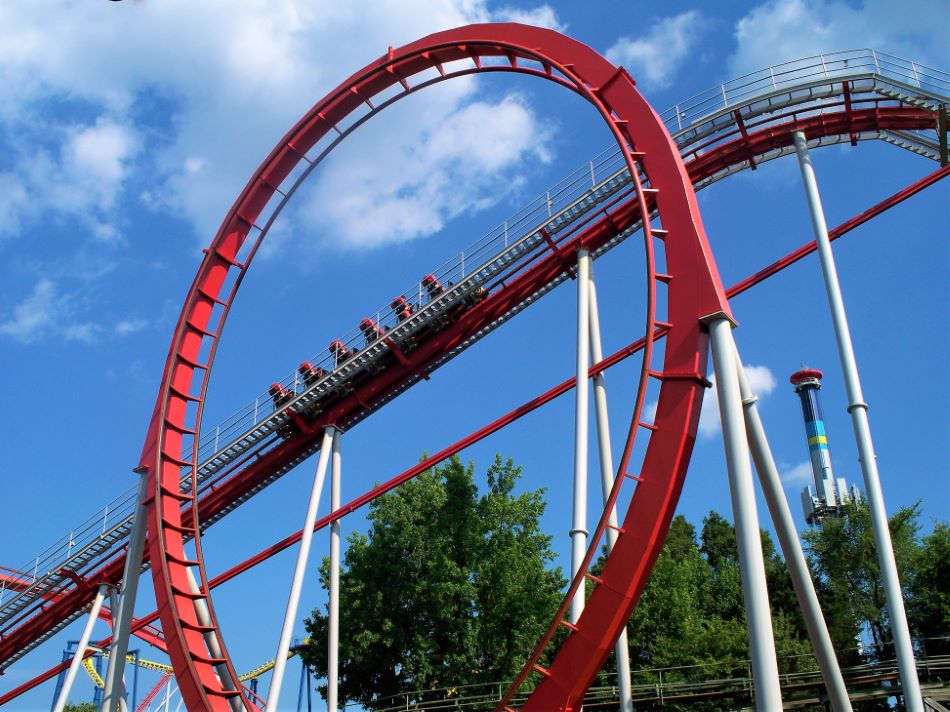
(666, 680)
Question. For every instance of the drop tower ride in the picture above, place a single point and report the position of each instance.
(830, 494)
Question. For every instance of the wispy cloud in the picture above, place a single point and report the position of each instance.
(76, 171)
(34, 315)
(540, 16)
(796, 475)
(130, 326)
(48, 312)
(654, 58)
(240, 75)
(99, 154)
(86, 332)
(785, 30)
(392, 191)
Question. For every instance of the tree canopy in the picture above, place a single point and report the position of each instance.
(690, 620)
(447, 588)
(450, 587)
(843, 557)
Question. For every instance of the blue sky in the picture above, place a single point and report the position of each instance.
(127, 129)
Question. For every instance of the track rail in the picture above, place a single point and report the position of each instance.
(714, 150)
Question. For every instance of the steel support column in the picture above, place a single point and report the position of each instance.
(858, 409)
(579, 521)
(113, 696)
(621, 648)
(791, 547)
(333, 651)
(214, 645)
(290, 617)
(768, 693)
(81, 646)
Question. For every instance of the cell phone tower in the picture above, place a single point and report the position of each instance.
(831, 494)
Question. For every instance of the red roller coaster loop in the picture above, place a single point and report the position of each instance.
(694, 291)
(178, 412)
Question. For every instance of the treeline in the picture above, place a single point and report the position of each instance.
(450, 587)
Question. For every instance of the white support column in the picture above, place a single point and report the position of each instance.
(621, 649)
(768, 693)
(858, 409)
(214, 646)
(579, 521)
(80, 653)
(283, 647)
(113, 696)
(333, 626)
(791, 547)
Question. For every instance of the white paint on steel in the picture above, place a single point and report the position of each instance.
(113, 696)
(214, 645)
(768, 693)
(791, 547)
(80, 649)
(579, 521)
(857, 407)
(621, 648)
(333, 652)
(283, 647)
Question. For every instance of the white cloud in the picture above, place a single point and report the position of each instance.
(385, 191)
(761, 382)
(80, 175)
(106, 233)
(194, 122)
(14, 201)
(785, 30)
(797, 475)
(86, 332)
(34, 315)
(48, 312)
(649, 411)
(540, 16)
(654, 59)
(99, 152)
(130, 326)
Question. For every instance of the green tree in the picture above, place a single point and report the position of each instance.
(447, 588)
(691, 616)
(80, 707)
(843, 556)
(515, 589)
(928, 608)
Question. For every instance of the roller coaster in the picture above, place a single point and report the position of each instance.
(644, 185)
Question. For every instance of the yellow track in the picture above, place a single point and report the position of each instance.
(162, 668)
(91, 671)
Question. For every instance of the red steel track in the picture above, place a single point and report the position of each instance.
(693, 291)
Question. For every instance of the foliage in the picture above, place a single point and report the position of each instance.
(843, 556)
(451, 588)
(80, 707)
(690, 619)
(929, 606)
(447, 588)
